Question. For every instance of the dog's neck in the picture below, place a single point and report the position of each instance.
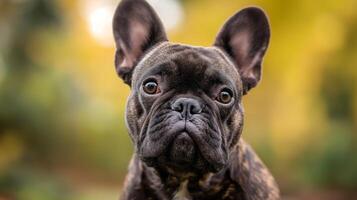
(187, 186)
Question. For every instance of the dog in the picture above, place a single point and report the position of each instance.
(185, 113)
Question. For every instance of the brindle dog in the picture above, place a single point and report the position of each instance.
(185, 113)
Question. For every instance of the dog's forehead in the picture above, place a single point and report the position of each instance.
(194, 59)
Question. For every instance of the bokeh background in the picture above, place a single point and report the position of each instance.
(62, 131)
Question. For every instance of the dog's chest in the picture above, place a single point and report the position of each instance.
(225, 191)
(182, 193)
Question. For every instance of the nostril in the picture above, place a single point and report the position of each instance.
(195, 109)
(177, 107)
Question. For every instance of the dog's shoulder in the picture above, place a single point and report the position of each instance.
(132, 180)
(252, 174)
(141, 182)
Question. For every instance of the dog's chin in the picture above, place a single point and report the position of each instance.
(182, 150)
(183, 156)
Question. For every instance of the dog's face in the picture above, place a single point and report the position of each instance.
(184, 112)
(185, 102)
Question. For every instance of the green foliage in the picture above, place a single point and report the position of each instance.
(27, 184)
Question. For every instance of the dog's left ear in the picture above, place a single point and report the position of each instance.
(245, 38)
(136, 29)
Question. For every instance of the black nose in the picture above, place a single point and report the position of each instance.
(187, 107)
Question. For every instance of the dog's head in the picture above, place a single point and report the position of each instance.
(185, 112)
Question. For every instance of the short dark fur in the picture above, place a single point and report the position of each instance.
(187, 142)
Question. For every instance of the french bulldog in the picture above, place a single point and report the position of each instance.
(185, 113)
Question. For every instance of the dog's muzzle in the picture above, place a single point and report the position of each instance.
(183, 136)
(183, 149)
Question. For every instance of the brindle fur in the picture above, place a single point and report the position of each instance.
(246, 178)
(229, 169)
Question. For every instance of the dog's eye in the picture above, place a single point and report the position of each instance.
(151, 87)
(225, 96)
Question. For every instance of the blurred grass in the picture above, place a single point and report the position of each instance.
(62, 130)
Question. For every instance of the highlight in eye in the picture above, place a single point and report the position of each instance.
(225, 96)
(151, 87)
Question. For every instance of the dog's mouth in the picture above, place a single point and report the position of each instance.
(183, 145)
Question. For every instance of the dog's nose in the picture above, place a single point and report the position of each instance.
(187, 107)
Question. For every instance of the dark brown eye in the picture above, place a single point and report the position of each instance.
(225, 96)
(151, 87)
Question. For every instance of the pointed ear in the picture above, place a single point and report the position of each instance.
(136, 29)
(245, 38)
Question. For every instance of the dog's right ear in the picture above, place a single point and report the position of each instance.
(136, 29)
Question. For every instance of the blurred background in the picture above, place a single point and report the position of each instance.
(62, 131)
